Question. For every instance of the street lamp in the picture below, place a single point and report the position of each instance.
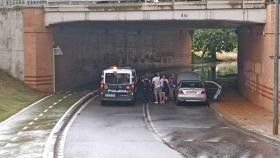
(276, 63)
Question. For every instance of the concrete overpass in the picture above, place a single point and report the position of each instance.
(246, 11)
(93, 36)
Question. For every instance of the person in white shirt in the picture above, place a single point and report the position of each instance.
(157, 88)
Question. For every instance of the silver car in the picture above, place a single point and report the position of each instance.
(190, 88)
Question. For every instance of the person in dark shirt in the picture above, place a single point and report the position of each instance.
(146, 90)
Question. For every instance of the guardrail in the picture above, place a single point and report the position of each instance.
(12, 3)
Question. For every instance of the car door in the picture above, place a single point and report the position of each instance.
(213, 89)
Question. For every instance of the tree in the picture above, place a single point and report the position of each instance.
(211, 41)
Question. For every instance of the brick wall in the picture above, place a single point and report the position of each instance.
(256, 44)
(38, 54)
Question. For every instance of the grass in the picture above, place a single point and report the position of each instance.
(15, 95)
(224, 56)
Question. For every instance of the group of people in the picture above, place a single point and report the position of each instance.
(161, 86)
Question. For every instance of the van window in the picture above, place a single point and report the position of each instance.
(117, 78)
(191, 85)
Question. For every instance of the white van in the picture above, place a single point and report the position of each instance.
(118, 84)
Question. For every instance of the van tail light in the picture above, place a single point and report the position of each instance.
(181, 92)
(130, 87)
(103, 86)
(203, 91)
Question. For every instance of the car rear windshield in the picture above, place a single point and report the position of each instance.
(117, 78)
(193, 84)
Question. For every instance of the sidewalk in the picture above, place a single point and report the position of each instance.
(236, 109)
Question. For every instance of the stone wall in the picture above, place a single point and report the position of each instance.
(90, 47)
(11, 42)
(256, 46)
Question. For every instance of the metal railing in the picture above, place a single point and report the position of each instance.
(11, 3)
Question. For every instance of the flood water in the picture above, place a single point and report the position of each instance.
(224, 73)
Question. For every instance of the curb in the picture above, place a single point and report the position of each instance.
(247, 130)
(52, 141)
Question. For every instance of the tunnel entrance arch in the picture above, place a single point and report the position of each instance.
(92, 46)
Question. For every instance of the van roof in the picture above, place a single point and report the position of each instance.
(191, 76)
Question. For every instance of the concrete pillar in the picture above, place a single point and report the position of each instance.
(38, 52)
(256, 46)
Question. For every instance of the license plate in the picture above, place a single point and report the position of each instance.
(110, 95)
(190, 92)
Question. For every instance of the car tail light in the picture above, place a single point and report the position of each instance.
(181, 92)
(203, 91)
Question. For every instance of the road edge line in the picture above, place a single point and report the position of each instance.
(22, 110)
(49, 149)
(149, 123)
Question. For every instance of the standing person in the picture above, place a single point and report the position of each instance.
(157, 88)
(165, 89)
(172, 84)
(146, 90)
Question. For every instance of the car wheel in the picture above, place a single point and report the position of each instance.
(178, 103)
(206, 103)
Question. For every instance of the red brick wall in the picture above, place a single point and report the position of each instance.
(38, 57)
(256, 44)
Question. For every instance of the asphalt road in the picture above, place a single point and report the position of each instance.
(167, 131)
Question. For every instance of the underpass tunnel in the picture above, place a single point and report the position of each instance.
(87, 48)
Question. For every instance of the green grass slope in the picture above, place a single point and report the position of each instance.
(15, 95)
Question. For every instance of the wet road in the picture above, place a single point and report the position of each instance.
(120, 131)
(113, 131)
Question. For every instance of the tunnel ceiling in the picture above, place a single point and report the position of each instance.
(191, 25)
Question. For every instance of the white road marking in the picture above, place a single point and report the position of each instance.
(21, 111)
(24, 128)
(13, 139)
(41, 115)
(203, 155)
(65, 97)
(54, 103)
(36, 119)
(30, 123)
(189, 140)
(59, 100)
(69, 94)
(46, 110)
(224, 127)
(49, 142)
(213, 140)
(19, 133)
(251, 141)
(245, 155)
(50, 107)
